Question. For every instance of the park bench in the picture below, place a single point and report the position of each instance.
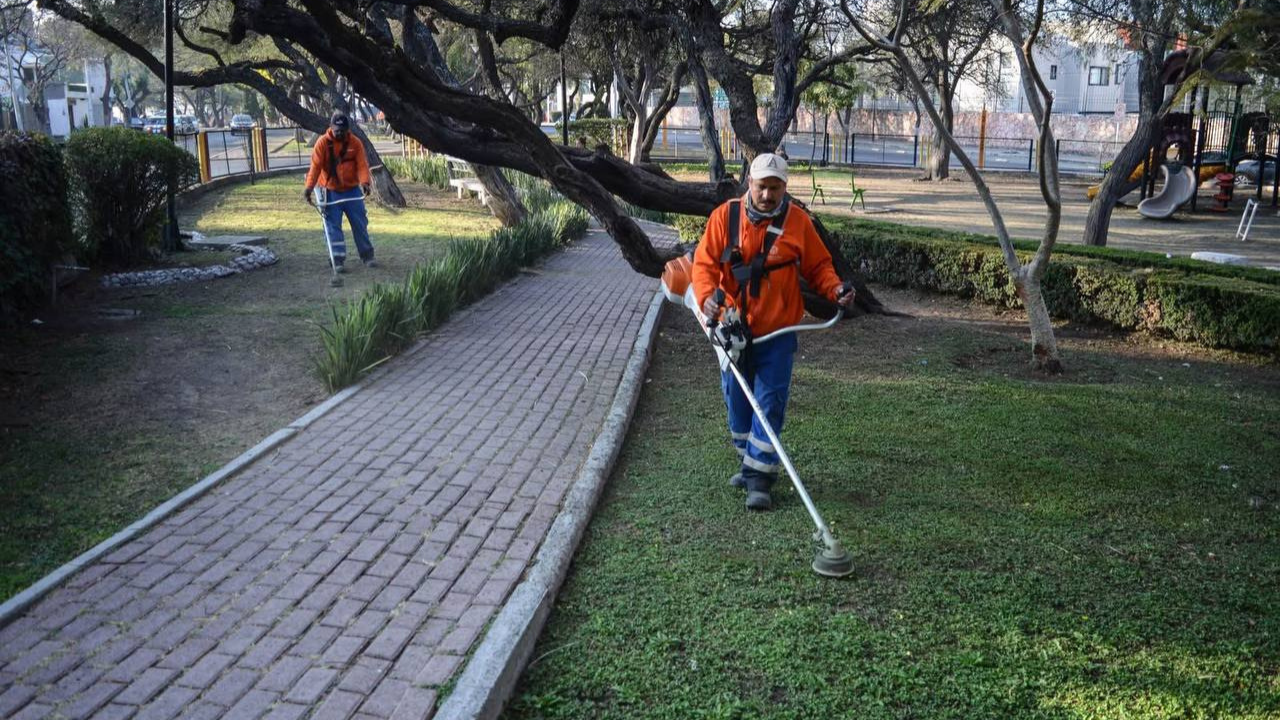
(463, 177)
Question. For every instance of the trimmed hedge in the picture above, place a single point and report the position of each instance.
(119, 178)
(369, 329)
(1215, 306)
(35, 220)
(597, 131)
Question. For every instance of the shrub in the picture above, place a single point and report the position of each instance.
(119, 180)
(1216, 306)
(690, 228)
(35, 222)
(427, 170)
(369, 329)
(597, 131)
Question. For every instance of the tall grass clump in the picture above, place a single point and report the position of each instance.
(427, 170)
(366, 331)
(536, 193)
(371, 328)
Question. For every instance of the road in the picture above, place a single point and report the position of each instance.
(229, 151)
(1078, 157)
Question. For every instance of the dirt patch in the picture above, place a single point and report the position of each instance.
(231, 357)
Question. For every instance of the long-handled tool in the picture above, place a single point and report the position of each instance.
(832, 560)
(320, 204)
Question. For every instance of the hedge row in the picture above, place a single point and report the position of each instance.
(1224, 307)
(371, 328)
(35, 220)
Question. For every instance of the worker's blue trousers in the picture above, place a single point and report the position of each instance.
(767, 368)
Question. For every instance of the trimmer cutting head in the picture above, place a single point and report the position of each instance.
(833, 562)
(335, 281)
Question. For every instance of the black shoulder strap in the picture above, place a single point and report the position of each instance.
(333, 163)
(735, 227)
(758, 268)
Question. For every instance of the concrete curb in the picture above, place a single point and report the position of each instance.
(491, 675)
(18, 604)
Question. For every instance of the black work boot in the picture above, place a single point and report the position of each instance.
(738, 482)
(759, 486)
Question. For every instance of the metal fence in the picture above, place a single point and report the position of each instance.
(231, 152)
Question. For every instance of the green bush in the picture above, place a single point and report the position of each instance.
(35, 222)
(596, 131)
(370, 329)
(119, 180)
(690, 228)
(1215, 306)
(427, 170)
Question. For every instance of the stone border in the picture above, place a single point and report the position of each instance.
(491, 675)
(18, 604)
(252, 259)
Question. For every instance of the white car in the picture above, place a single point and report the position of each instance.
(241, 123)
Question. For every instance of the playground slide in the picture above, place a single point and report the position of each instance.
(1178, 188)
(1135, 179)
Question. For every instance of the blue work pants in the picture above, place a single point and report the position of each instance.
(356, 217)
(767, 368)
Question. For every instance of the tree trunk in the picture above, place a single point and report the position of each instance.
(706, 113)
(385, 189)
(639, 126)
(1044, 347)
(940, 160)
(1151, 114)
(503, 200)
(106, 93)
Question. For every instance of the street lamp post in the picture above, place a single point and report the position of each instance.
(170, 239)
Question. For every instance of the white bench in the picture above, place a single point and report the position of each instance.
(462, 177)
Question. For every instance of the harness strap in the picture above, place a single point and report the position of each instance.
(334, 160)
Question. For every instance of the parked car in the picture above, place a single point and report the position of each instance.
(1249, 169)
(241, 123)
(186, 125)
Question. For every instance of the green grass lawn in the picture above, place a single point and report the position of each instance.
(101, 421)
(1084, 547)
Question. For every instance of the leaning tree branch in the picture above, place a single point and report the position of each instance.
(553, 33)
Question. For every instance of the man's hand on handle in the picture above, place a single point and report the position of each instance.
(846, 295)
(711, 306)
(308, 198)
(366, 189)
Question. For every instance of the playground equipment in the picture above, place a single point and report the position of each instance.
(1213, 148)
(1179, 186)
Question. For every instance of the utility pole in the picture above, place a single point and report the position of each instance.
(170, 239)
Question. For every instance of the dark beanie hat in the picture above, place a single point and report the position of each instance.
(339, 119)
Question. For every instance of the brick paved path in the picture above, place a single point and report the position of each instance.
(349, 572)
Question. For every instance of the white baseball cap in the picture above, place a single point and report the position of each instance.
(769, 165)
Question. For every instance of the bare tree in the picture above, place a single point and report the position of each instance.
(947, 42)
(1025, 277)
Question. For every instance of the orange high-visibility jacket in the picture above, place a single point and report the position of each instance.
(353, 166)
(779, 304)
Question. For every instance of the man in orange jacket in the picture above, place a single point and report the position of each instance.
(339, 180)
(756, 248)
